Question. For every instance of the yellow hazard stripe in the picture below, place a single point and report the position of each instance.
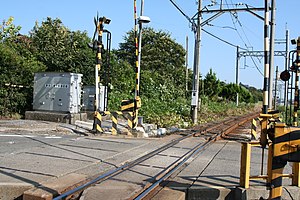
(126, 107)
(283, 148)
(107, 112)
(99, 128)
(119, 112)
(98, 116)
(114, 119)
(276, 192)
(254, 128)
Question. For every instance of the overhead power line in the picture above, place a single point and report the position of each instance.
(181, 11)
(192, 22)
(222, 40)
(220, 11)
(256, 66)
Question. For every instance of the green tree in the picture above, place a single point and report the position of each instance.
(229, 91)
(8, 31)
(160, 53)
(16, 77)
(63, 50)
(256, 93)
(122, 81)
(212, 85)
(17, 66)
(245, 95)
(162, 75)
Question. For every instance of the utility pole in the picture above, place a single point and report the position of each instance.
(195, 89)
(197, 33)
(237, 74)
(140, 41)
(266, 60)
(275, 88)
(272, 45)
(286, 83)
(186, 62)
(138, 44)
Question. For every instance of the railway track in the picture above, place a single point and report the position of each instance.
(161, 163)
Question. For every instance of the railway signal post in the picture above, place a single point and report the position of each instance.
(99, 23)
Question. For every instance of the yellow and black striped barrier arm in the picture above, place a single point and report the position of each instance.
(127, 105)
(286, 148)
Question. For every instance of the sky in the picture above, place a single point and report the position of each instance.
(242, 29)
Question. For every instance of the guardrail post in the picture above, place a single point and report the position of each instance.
(245, 165)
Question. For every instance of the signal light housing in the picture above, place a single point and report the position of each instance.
(285, 75)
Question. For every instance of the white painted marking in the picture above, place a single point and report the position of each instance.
(28, 136)
(53, 137)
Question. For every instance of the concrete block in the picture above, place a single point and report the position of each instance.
(68, 118)
(142, 131)
(85, 125)
(13, 190)
(210, 193)
(161, 131)
(54, 187)
(169, 194)
(149, 128)
(256, 192)
(109, 192)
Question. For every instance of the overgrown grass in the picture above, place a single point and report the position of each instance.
(288, 119)
(212, 111)
(177, 113)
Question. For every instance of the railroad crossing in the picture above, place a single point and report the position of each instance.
(41, 160)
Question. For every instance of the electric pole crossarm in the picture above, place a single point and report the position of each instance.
(221, 11)
(211, 18)
(256, 15)
(259, 53)
(233, 10)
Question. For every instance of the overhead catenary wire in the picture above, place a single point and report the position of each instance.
(222, 40)
(234, 24)
(256, 66)
(216, 37)
(181, 11)
(191, 21)
(239, 22)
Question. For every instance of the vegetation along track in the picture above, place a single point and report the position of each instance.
(208, 134)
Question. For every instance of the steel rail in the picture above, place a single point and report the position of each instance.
(121, 168)
(196, 150)
(181, 162)
(149, 155)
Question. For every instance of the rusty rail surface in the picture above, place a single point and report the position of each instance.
(226, 127)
